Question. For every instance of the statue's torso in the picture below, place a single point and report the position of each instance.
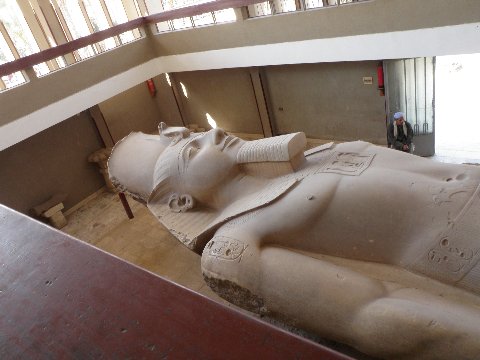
(394, 212)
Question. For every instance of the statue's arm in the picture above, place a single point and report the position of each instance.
(337, 302)
(268, 279)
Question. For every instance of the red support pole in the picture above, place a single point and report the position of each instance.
(125, 204)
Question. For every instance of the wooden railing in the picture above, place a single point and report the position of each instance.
(52, 53)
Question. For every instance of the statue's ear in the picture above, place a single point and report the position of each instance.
(180, 203)
(175, 134)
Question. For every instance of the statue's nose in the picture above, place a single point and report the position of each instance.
(217, 136)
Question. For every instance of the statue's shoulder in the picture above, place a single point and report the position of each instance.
(241, 224)
(355, 146)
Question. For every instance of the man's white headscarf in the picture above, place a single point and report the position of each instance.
(397, 116)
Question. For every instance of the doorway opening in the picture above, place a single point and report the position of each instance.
(457, 108)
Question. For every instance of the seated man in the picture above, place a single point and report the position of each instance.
(357, 243)
(400, 133)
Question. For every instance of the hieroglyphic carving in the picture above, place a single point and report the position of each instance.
(454, 254)
(348, 163)
(444, 194)
(451, 257)
(226, 248)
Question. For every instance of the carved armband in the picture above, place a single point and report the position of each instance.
(225, 248)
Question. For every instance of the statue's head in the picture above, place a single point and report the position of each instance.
(178, 166)
(176, 170)
(194, 166)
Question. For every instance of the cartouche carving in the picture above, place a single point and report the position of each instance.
(226, 248)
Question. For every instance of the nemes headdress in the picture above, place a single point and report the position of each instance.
(132, 165)
(132, 161)
(166, 175)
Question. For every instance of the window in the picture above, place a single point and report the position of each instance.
(6, 56)
(272, 7)
(98, 21)
(312, 4)
(260, 9)
(15, 30)
(118, 16)
(209, 18)
(74, 25)
(282, 6)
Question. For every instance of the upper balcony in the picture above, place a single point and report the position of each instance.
(257, 34)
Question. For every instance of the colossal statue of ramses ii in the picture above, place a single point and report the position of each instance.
(357, 243)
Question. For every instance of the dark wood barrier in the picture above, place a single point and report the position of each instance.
(61, 298)
(49, 54)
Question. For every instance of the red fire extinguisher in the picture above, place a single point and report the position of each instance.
(151, 87)
(381, 85)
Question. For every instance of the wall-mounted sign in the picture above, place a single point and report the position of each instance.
(367, 80)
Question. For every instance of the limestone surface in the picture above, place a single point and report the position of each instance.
(353, 242)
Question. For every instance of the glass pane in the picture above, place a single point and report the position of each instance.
(429, 92)
(182, 23)
(19, 32)
(99, 22)
(335, 2)
(260, 9)
(164, 26)
(225, 16)
(395, 83)
(76, 24)
(282, 6)
(410, 94)
(420, 99)
(6, 55)
(410, 90)
(119, 16)
(203, 19)
(174, 4)
(199, 20)
(311, 4)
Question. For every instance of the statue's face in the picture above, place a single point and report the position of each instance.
(208, 161)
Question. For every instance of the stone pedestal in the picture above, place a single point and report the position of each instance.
(52, 210)
(101, 158)
(55, 216)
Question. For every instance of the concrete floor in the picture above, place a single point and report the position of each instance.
(142, 241)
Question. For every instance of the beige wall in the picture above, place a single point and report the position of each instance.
(132, 110)
(327, 101)
(226, 94)
(52, 161)
(168, 109)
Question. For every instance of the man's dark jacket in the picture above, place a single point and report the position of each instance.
(402, 138)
